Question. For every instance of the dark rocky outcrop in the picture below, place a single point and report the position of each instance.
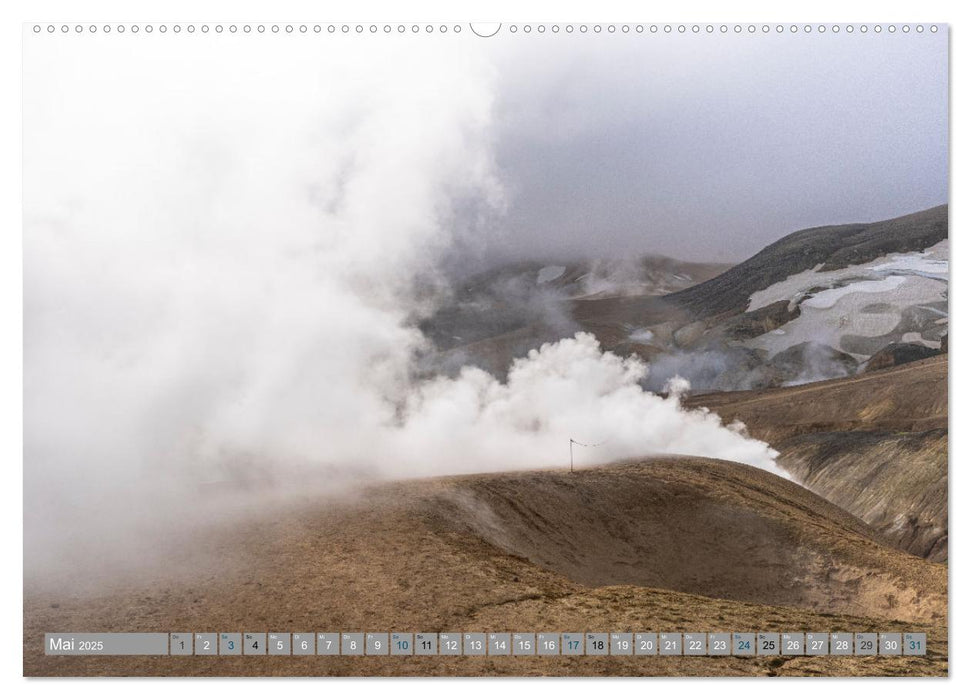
(899, 354)
(754, 323)
(811, 360)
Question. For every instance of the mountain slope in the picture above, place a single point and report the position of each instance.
(896, 482)
(911, 397)
(817, 304)
(874, 444)
(734, 549)
(832, 247)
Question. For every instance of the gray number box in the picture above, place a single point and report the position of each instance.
(474, 644)
(523, 643)
(891, 643)
(841, 644)
(548, 644)
(767, 644)
(402, 644)
(866, 643)
(621, 643)
(254, 643)
(817, 644)
(230, 644)
(303, 643)
(793, 643)
(180, 643)
(500, 644)
(743, 644)
(719, 643)
(597, 643)
(450, 643)
(426, 644)
(571, 644)
(352, 644)
(694, 644)
(645, 643)
(669, 643)
(915, 644)
(329, 644)
(278, 643)
(377, 644)
(206, 644)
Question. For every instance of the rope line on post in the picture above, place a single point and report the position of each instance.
(581, 444)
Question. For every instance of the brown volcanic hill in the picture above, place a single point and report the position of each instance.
(911, 397)
(874, 444)
(896, 482)
(703, 526)
(663, 544)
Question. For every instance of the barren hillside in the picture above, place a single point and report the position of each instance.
(676, 544)
(874, 444)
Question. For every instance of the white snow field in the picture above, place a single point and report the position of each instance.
(867, 300)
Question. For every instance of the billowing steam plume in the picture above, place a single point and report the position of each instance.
(223, 268)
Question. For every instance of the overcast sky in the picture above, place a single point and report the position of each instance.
(711, 147)
(701, 147)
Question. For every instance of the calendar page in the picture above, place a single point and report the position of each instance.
(518, 349)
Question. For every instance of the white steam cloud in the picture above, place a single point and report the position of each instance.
(565, 389)
(224, 257)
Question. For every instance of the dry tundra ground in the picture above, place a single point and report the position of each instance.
(664, 544)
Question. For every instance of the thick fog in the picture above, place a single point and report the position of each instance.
(228, 244)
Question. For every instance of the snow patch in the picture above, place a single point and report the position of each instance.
(828, 298)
